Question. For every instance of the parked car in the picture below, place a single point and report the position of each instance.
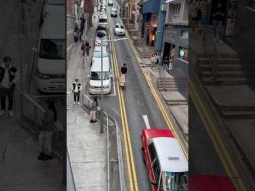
(119, 30)
(114, 12)
(101, 35)
(110, 3)
(103, 21)
(98, 53)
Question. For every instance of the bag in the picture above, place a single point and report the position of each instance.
(157, 61)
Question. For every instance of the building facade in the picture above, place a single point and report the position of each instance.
(175, 40)
(154, 14)
(70, 22)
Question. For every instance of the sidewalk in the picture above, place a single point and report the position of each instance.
(86, 146)
(19, 167)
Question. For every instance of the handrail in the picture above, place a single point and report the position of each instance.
(86, 102)
(71, 186)
(211, 51)
(30, 117)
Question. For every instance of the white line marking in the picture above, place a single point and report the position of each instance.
(146, 121)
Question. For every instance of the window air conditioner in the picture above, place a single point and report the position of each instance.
(163, 7)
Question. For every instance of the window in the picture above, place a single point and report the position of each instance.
(97, 76)
(183, 53)
(97, 53)
(185, 34)
(152, 152)
(156, 170)
(176, 12)
(52, 49)
(174, 181)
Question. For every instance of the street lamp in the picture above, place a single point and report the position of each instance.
(101, 108)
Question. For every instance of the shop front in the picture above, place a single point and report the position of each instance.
(175, 47)
(151, 31)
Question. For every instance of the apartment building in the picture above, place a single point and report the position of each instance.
(176, 34)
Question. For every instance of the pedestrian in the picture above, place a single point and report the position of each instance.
(81, 31)
(8, 79)
(93, 110)
(165, 63)
(171, 64)
(87, 47)
(218, 19)
(153, 61)
(157, 58)
(48, 126)
(83, 49)
(76, 33)
(76, 89)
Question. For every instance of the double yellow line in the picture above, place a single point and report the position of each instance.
(125, 128)
(216, 140)
(159, 102)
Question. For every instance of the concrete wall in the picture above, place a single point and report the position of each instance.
(70, 22)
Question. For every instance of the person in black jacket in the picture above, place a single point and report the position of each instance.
(124, 69)
(8, 80)
(218, 20)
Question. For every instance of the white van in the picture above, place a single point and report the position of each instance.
(51, 76)
(103, 21)
(95, 78)
(50, 6)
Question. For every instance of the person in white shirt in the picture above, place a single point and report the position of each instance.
(8, 80)
(76, 89)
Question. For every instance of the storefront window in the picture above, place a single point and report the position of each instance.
(183, 53)
(252, 4)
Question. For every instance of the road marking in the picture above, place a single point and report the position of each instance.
(146, 121)
(125, 129)
(157, 98)
(216, 140)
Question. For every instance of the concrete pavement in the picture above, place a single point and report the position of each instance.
(86, 146)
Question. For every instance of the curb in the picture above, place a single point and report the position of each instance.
(140, 61)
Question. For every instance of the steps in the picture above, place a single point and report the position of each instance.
(229, 71)
(171, 84)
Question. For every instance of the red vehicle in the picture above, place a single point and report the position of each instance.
(210, 183)
(165, 160)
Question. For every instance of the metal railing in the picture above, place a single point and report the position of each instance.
(113, 138)
(30, 114)
(211, 51)
(70, 184)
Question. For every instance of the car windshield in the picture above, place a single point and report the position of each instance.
(56, 2)
(101, 35)
(102, 20)
(174, 181)
(97, 53)
(98, 76)
(52, 49)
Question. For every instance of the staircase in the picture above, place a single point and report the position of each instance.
(176, 89)
(229, 71)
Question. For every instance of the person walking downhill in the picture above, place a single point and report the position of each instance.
(165, 63)
(46, 134)
(157, 58)
(76, 33)
(76, 89)
(8, 80)
(93, 110)
(218, 19)
(87, 47)
(153, 61)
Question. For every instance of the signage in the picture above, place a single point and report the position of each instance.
(173, 158)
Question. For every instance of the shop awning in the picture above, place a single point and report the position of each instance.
(174, 1)
(151, 6)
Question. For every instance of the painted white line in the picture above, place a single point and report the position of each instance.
(146, 121)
